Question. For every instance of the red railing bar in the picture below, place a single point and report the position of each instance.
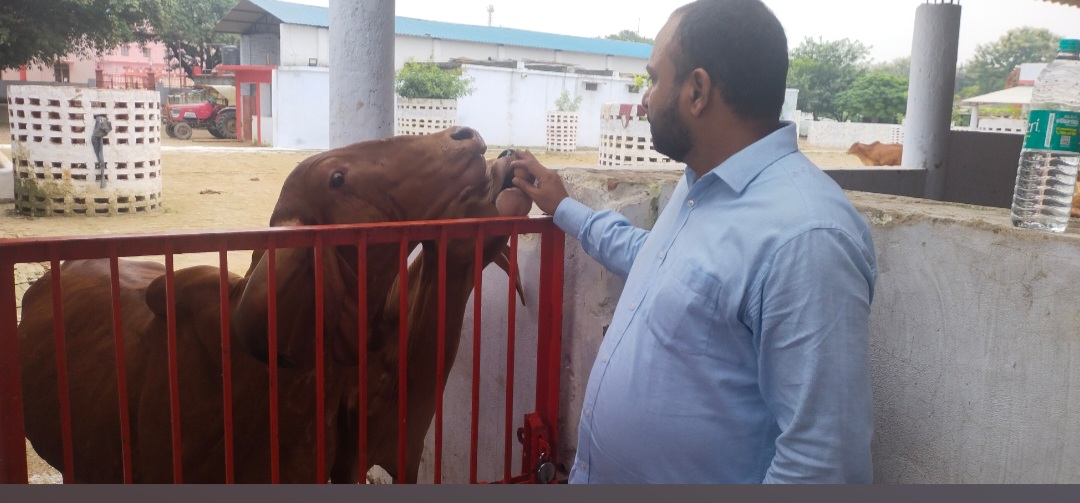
(174, 370)
(320, 371)
(62, 384)
(121, 370)
(12, 433)
(511, 314)
(440, 365)
(403, 354)
(549, 330)
(549, 326)
(226, 361)
(362, 321)
(271, 310)
(19, 250)
(478, 281)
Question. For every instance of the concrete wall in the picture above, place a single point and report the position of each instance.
(843, 134)
(510, 106)
(261, 49)
(981, 167)
(300, 43)
(423, 49)
(974, 338)
(301, 106)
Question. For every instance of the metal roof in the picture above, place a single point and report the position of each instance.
(249, 12)
(1074, 3)
(1019, 95)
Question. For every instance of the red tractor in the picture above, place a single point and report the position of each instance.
(203, 106)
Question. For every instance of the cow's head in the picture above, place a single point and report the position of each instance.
(402, 178)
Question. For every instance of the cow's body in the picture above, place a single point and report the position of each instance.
(440, 176)
(877, 153)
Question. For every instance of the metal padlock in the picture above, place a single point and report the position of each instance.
(545, 473)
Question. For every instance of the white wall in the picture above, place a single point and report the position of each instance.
(301, 108)
(842, 134)
(510, 105)
(443, 50)
(300, 43)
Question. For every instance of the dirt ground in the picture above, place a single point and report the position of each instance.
(222, 184)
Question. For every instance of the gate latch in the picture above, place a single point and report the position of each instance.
(536, 450)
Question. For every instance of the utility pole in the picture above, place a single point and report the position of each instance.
(491, 9)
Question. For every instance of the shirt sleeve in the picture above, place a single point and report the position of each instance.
(606, 236)
(814, 357)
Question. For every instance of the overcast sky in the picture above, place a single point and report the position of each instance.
(884, 25)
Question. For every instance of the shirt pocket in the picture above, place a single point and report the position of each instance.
(684, 309)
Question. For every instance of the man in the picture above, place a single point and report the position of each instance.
(738, 352)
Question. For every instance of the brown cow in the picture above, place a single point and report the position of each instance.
(877, 153)
(403, 178)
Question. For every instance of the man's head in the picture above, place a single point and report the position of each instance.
(735, 47)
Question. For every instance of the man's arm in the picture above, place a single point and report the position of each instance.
(814, 358)
(606, 236)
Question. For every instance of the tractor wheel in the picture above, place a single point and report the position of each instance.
(169, 130)
(226, 123)
(212, 127)
(182, 130)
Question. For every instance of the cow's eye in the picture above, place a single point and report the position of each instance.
(337, 179)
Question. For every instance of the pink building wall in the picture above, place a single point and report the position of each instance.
(82, 70)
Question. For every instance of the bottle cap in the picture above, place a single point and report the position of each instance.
(1069, 45)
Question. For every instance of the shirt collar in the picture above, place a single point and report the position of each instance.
(740, 169)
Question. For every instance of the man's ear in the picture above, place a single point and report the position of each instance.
(700, 86)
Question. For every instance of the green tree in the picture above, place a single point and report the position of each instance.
(900, 67)
(993, 62)
(821, 69)
(875, 97)
(187, 30)
(427, 80)
(41, 31)
(629, 36)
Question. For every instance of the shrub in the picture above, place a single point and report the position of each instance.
(565, 104)
(427, 80)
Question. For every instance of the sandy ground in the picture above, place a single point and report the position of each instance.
(221, 184)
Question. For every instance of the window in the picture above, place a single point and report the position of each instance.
(62, 72)
(125, 50)
(591, 86)
(146, 52)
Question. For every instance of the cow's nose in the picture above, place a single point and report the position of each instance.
(463, 133)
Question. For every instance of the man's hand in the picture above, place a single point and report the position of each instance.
(548, 191)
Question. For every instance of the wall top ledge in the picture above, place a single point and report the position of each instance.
(886, 211)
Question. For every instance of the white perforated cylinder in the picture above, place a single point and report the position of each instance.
(625, 139)
(418, 116)
(55, 166)
(562, 131)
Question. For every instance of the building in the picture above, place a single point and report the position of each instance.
(285, 49)
(127, 66)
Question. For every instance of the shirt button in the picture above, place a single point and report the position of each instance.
(633, 306)
(662, 254)
(604, 358)
(588, 412)
(690, 203)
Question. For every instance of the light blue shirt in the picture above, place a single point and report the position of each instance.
(738, 352)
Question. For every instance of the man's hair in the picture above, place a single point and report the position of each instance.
(743, 48)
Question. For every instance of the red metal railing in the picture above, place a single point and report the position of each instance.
(536, 434)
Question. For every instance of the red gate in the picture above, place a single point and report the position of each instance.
(537, 432)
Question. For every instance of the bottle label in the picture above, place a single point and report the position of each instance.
(1057, 130)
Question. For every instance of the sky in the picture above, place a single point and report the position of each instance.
(886, 26)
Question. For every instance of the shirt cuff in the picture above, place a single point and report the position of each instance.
(571, 216)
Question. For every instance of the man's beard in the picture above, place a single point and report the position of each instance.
(671, 136)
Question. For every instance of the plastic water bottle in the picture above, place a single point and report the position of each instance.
(1046, 177)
